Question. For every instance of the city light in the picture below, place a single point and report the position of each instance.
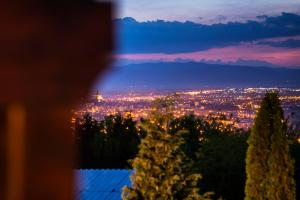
(239, 103)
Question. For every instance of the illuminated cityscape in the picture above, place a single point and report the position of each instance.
(239, 103)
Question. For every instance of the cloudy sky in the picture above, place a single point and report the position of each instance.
(221, 33)
(204, 11)
(274, 40)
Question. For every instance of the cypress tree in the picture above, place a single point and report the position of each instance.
(269, 166)
(162, 170)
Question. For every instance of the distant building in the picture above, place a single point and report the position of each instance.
(99, 97)
(104, 184)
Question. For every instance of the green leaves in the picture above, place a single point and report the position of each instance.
(269, 166)
(163, 170)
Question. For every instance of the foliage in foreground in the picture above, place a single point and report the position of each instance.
(162, 169)
(110, 142)
(269, 167)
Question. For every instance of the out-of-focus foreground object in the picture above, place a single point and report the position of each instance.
(51, 53)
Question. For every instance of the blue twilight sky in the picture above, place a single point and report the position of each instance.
(204, 11)
(154, 52)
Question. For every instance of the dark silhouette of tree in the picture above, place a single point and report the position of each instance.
(86, 130)
(218, 150)
(195, 128)
(109, 143)
(269, 166)
(223, 165)
(295, 152)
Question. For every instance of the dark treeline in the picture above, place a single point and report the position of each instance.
(109, 143)
(113, 141)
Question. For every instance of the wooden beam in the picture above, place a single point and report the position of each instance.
(51, 52)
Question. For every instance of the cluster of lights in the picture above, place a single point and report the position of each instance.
(243, 103)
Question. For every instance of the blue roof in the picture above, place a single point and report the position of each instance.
(101, 184)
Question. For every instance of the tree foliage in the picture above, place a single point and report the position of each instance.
(108, 143)
(163, 170)
(269, 166)
(216, 148)
(223, 164)
(222, 149)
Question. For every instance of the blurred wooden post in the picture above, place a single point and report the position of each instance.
(51, 52)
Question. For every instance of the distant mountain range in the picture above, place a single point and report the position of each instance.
(191, 75)
(240, 62)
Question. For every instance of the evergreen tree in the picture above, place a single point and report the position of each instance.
(269, 166)
(162, 170)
